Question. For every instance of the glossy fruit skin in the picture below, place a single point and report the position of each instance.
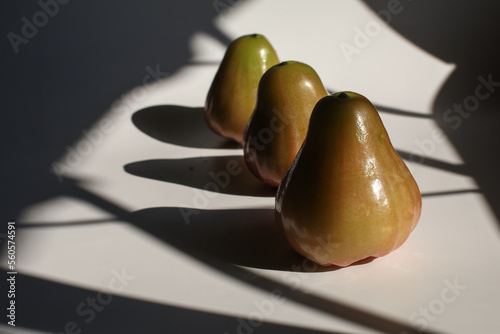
(347, 195)
(233, 93)
(286, 96)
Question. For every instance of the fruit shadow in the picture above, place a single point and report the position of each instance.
(220, 174)
(124, 314)
(179, 125)
(244, 237)
(472, 132)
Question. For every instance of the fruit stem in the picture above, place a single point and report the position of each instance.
(343, 95)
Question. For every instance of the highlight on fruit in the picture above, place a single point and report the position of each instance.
(286, 96)
(347, 195)
(233, 93)
(344, 194)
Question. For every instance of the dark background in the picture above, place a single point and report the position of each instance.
(72, 70)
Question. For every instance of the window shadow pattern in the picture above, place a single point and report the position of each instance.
(467, 107)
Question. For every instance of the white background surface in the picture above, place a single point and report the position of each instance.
(82, 242)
